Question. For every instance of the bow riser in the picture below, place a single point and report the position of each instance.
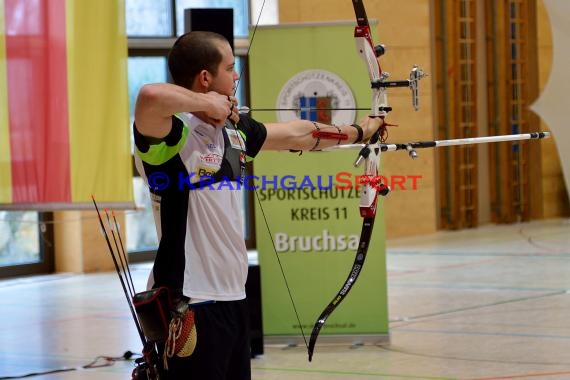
(365, 50)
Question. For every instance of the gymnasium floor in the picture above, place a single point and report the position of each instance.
(490, 303)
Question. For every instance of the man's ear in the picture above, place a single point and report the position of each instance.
(204, 79)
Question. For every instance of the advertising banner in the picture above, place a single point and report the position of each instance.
(310, 200)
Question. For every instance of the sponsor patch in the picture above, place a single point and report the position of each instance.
(211, 158)
(204, 171)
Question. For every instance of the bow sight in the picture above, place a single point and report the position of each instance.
(413, 83)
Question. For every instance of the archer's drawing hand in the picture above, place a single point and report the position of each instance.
(234, 116)
(220, 107)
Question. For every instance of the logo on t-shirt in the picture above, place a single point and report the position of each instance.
(204, 171)
(211, 158)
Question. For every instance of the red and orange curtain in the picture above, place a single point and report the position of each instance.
(64, 117)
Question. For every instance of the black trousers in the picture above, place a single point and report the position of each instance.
(222, 345)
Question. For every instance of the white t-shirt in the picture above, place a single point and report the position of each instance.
(201, 252)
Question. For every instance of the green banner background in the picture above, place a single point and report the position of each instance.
(314, 276)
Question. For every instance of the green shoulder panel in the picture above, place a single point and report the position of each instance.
(160, 153)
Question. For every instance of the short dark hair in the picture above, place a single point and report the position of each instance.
(193, 52)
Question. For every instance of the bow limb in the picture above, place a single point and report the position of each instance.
(365, 236)
(371, 157)
(368, 205)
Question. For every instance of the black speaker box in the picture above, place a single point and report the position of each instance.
(218, 20)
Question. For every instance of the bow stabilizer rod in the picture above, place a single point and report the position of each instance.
(412, 146)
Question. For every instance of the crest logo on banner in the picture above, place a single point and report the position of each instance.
(316, 95)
